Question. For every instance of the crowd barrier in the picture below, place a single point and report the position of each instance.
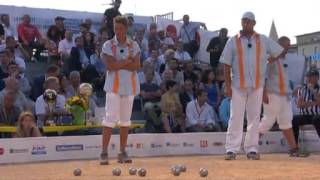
(24, 150)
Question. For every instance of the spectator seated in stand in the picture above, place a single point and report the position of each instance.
(24, 85)
(180, 54)
(9, 111)
(17, 49)
(78, 59)
(165, 40)
(224, 112)
(146, 66)
(64, 49)
(9, 30)
(22, 102)
(155, 60)
(200, 115)
(30, 36)
(188, 72)
(172, 113)
(37, 85)
(73, 89)
(27, 126)
(209, 84)
(151, 96)
(41, 106)
(177, 75)
(188, 94)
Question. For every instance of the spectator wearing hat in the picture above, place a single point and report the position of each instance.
(109, 15)
(247, 49)
(59, 23)
(308, 104)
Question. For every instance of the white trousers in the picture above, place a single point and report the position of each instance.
(249, 101)
(118, 110)
(278, 109)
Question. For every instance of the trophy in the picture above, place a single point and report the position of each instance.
(85, 91)
(50, 97)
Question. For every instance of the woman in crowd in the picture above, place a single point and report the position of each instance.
(26, 126)
(88, 44)
(211, 86)
(172, 113)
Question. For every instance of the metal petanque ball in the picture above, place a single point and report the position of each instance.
(77, 172)
(142, 172)
(203, 172)
(175, 170)
(116, 172)
(132, 171)
(183, 168)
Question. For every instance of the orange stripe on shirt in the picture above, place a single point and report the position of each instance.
(133, 80)
(241, 63)
(282, 86)
(133, 75)
(258, 56)
(116, 80)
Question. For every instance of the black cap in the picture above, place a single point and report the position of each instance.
(59, 18)
(313, 72)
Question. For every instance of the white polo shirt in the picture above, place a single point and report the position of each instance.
(246, 73)
(199, 115)
(122, 82)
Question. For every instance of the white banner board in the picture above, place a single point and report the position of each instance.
(21, 150)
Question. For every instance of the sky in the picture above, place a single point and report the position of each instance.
(291, 18)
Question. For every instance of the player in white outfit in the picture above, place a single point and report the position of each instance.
(245, 59)
(122, 56)
(277, 99)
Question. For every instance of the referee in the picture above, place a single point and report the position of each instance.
(308, 104)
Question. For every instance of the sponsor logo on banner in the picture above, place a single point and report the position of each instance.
(38, 150)
(18, 151)
(69, 147)
(169, 144)
(94, 147)
(185, 144)
(139, 145)
(217, 144)
(1, 151)
(155, 145)
(203, 143)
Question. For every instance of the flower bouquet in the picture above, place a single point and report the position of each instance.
(78, 106)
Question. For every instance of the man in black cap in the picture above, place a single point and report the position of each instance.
(308, 104)
(109, 14)
(59, 23)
